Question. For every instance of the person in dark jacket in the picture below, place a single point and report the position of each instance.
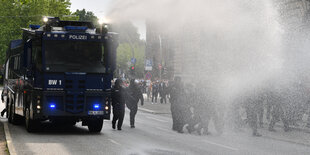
(277, 111)
(133, 96)
(118, 103)
(4, 94)
(252, 106)
(163, 92)
(155, 91)
(191, 118)
(177, 97)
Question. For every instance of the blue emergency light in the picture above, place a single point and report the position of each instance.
(34, 27)
(96, 106)
(52, 106)
(68, 28)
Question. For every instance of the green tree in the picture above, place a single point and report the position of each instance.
(16, 14)
(124, 55)
(84, 15)
(130, 45)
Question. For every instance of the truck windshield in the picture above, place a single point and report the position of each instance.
(74, 56)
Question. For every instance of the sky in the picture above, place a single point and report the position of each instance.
(100, 9)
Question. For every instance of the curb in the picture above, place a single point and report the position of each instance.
(305, 129)
(152, 112)
(288, 141)
(299, 129)
(4, 145)
(8, 138)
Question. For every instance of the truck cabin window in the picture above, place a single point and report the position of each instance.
(73, 56)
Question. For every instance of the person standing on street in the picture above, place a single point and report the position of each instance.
(177, 112)
(4, 94)
(155, 90)
(149, 91)
(118, 103)
(252, 106)
(207, 110)
(144, 87)
(133, 96)
(277, 111)
(162, 92)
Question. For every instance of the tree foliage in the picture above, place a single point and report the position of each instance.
(130, 45)
(84, 15)
(16, 14)
(124, 55)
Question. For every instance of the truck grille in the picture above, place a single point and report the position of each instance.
(75, 98)
(74, 103)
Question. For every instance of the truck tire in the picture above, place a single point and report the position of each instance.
(95, 125)
(31, 125)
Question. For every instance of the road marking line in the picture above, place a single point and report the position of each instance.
(147, 110)
(113, 141)
(157, 119)
(9, 139)
(221, 145)
(163, 129)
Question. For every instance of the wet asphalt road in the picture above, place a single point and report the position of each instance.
(152, 135)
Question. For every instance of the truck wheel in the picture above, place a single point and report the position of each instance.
(31, 125)
(95, 125)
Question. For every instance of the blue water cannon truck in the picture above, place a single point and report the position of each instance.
(60, 72)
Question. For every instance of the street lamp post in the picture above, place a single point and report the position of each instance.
(161, 56)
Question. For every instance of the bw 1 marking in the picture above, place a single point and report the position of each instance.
(54, 82)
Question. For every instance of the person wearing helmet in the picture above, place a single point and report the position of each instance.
(118, 103)
(133, 96)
